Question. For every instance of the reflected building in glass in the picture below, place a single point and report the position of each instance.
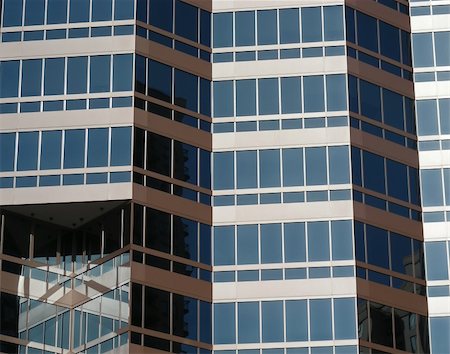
(213, 176)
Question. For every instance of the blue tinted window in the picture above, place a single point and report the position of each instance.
(100, 73)
(224, 245)
(436, 260)
(246, 169)
(389, 41)
(333, 23)
(367, 31)
(442, 48)
(294, 242)
(205, 97)
(245, 97)
(341, 239)
(7, 151)
(224, 323)
(248, 322)
(269, 168)
(79, 11)
(121, 146)
(223, 99)
(370, 100)
(51, 150)
(12, 13)
(267, 27)
(123, 72)
(54, 76)
(31, 77)
(393, 109)
(160, 81)
(56, 11)
(311, 24)
(161, 14)
(427, 118)
(186, 20)
(245, 28)
(320, 319)
(373, 170)
(77, 75)
(289, 26)
(74, 148)
(291, 95)
(28, 151)
(247, 244)
(318, 241)
(102, 10)
(344, 319)
(97, 147)
(34, 12)
(316, 166)
(223, 170)
(268, 96)
(313, 94)
(439, 330)
(124, 9)
(400, 253)
(186, 90)
(271, 243)
(205, 28)
(293, 174)
(397, 180)
(272, 321)
(223, 30)
(339, 164)
(423, 50)
(9, 78)
(336, 93)
(377, 246)
(444, 113)
(432, 190)
(296, 320)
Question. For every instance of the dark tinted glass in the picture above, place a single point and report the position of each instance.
(185, 164)
(28, 151)
(184, 316)
(31, 77)
(7, 151)
(397, 180)
(54, 76)
(381, 324)
(374, 172)
(12, 13)
(102, 10)
(158, 230)
(185, 238)
(157, 309)
(79, 11)
(74, 148)
(158, 154)
(100, 69)
(97, 147)
(9, 78)
(161, 14)
(124, 9)
(377, 246)
(186, 90)
(51, 150)
(34, 12)
(393, 109)
(367, 31)
(120, 146)
(186, 20)
(370, 100)
(401, 256)
(56, 11)
(160, 80)
(123, 72)
(77, 75)
(245, 28)
(205, 28)
(389, 41)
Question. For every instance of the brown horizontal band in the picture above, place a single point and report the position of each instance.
(381, 348)
(391, 273)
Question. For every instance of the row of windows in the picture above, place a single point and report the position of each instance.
(381, 104)
(385, 176)
(437, 260)
(172, 158)
(263, 27)
(392, 327)
(293, 53)
(289, 274)
(56, 149)
(430, 145)
(432, 116)
(40, 12)
(265, 321)
(344, 349)
(428, 10)
(378, 36)
(388, 250)
(179, 315)
(165, 345)
(288, 242)
(73, 75)
(394, 5)
(436, 216)
(173, 85)
(84, 32)
(435, 187)
(431, 49)
(432, 76)
(281, 167)
(280, 95)
(177, 17)
(172, 234)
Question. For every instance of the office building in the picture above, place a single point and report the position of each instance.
(214, 176)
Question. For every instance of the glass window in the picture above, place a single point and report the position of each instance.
(224, 323)
(397, 180)
(442, 48)
(370, 100)
(7, 151)
(427, 118)
(185, 238)
(74, 141)
(393, 109)
(98, 147)
(318, 241)
(156, 317)
(339, 164)
(223, 99)
(56, 11)
(268, 96)
(320, 319)
(123, 72)
(381, 324)
(12, 13)
(314, 99)
(246, 169)
(269, 168)
(341, 239)
(77, 75)
(160, 81)
(186, 20)
(389, 41)
(432, 190)
(124, 10)
(367, 31)
(333, 23)
(224, 245)
(444, 113)
(296, 320)
(439, 330)
(246, 97)
(271, 243)
(401, 256)
(377, 246)
(205, 28)
(223, 170)
(31, 77)
(186, 90)
(161, 14)
(247, 244)
(245, 28)
(248, 322)
(51, 150)
(121, 146)
(436, 260)
(159, 151)
(291, 95)
(289, 26)
(223, 29)
(102, 10)
(336, 93)
(294, 242)
(373, 171)
(185, 162)
(9, 78)
(316, 166)
(34, 12)
(157, 230)
(79, 11)
(100, 73)
(267, 27)
(422, 50)
(205, 97)
(344, 319)
(28, 151)
(293, 174)
(311, 24)
(272, 321)
(54, 76)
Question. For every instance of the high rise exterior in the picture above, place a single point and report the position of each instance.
(229, 177)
